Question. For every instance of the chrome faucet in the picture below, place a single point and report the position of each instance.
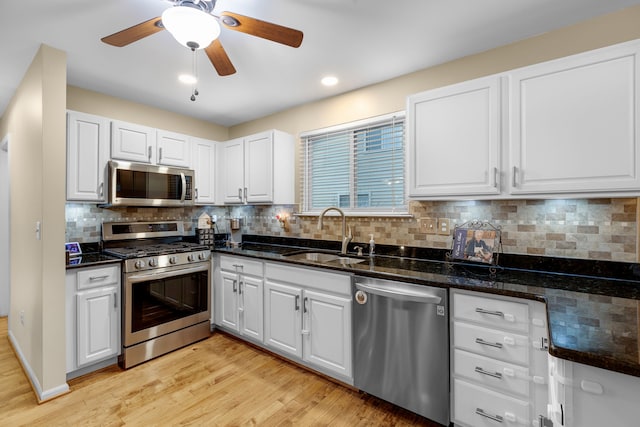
(346, 238)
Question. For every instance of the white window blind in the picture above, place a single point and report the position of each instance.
(358, 167)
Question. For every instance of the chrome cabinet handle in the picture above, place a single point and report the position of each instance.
(94, 278)
(159, 154)
(245, 194)
(240, 287)
(491, 374)
(196, 193)
(240, 194)
(235, 286)
(497, 418)
(115, 300)
(489, 312)
(490, 344)
(101, 189)
(149, 152)
(297, 303)
(495, 177)
(304, 305)
(515, 172)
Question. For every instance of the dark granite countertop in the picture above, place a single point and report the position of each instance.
(90, 260)
(592, 306)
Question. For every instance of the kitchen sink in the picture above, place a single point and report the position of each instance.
(324, 257)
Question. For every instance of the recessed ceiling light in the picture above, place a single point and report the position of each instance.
(187, 79)
(329, 81)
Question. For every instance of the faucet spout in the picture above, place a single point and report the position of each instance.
(346, 236)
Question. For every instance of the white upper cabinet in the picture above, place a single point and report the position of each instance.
(204, 166)
(142, 144)
(87, 156)
(454, 140)
(132, 142)
(258, 169)
(232, 171)
(573, 124)
(567, 127)
(173, 149)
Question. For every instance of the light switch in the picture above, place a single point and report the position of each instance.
(443, 226)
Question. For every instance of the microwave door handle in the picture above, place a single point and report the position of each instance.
(184, 186)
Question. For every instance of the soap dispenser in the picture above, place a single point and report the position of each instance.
(372, 245)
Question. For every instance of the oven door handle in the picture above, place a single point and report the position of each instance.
(163, 275)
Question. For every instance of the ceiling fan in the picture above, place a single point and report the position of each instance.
(193, 24)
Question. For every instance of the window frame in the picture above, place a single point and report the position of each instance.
(353, 128)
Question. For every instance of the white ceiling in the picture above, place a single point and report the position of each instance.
(360, 41)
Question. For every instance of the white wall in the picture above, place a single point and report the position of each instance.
(4, 227)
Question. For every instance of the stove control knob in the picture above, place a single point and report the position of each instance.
(139, 264)
(191, 258)
(153, 262)
(173, 260)
(202, 256)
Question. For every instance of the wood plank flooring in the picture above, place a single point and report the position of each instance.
(220, 381)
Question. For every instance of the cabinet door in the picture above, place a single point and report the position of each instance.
(232, 166)
(87, 156)
(454, 140)
(327, 331)
(251, 307)
(574, 124)
(132, 142)
(282, 318)
(204, 165)
(174, 149)
(258, 170)
(229, 300)
(98, 312)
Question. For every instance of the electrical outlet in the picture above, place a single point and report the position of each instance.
(427, 225)
(22, 317)
(444, 226)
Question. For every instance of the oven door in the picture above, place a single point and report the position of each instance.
(162, 301)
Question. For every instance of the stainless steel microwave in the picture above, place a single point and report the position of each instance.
(135, 184)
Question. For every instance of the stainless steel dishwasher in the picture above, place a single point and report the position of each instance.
(401, 345)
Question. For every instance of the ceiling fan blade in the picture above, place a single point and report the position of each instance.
(219, 58)
(135, 33)
(266, 30)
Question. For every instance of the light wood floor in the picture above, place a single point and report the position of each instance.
(217, 382)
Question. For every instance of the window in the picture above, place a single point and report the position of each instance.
(358, 167)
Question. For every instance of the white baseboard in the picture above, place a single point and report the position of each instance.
(41, 395)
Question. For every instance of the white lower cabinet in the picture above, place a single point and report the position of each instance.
(498, 360)
(586, 396)
(308, 316)
(303, 314)
(92, 316)
(238, 296)
(283, 318)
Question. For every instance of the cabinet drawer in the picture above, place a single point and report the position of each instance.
(493, 312)
(479, 407)
(491, 372)
(310, 278)
(95, 277)
(244, 265)
(491, 343)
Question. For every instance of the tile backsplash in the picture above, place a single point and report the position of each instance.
(602, 229)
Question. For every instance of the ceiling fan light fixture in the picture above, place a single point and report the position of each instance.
(191, 27)
(188, 79)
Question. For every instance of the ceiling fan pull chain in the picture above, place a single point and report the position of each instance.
(194, 72)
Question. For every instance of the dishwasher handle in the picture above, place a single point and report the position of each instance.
(401, 292)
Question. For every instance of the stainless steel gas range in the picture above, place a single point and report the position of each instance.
(166, 302)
